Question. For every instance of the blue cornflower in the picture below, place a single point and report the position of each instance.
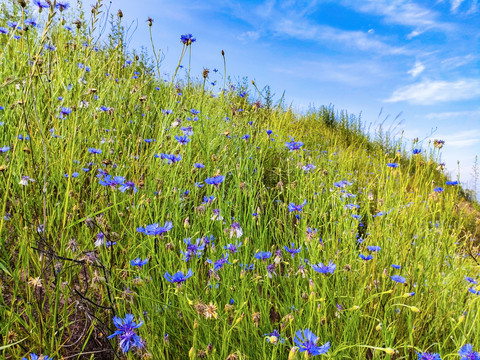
(194, 111)
(36, 357)
(178, 278)
(325, 269)
(342, 184)
(263, 255)
(416, 151)
(128, 185)
(396, 266)
(4, 149)
(3, 30)
(65, 111)
(187, 39)
(94, 151)
(108, 181)
(148, 141)
(12, 24)
(217, 265)
(41, 5)
(467, 353)
(398, 278)
(428, 356)
(474, 291)
(294, 145)
(62, 5)
(31, 22)
(233, 248)
(236, 229)
(308, 342)
(392, 165)
(296, 208)
(194, 249)
(307, 168)
(138, 262)
(374, 248)
(451, 183)
(245, 137)
(438, 189)
(471, 280)
(199, 165)
(104, 108)
(156, 230)
(187, 131)
(126, 330)
(171, 158)
(269, 132)
(292, 251)
(366, 258)
(274, 337)
(184, 140)
(216, 180)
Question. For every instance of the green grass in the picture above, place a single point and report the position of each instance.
(61, 285)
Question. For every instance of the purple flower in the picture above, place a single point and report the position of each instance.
(428, 356)
(171, 158)
(274, 337)
(216, 180)
(467, 353)
(398, 278)
(366, 258)
(193, 249)
(308, 342)
(4, 149)
(94, 151)
(263, 255)
(236, 229)
(374, 248)
(325, 269)
(199, 165)
(138, 262)
(187, 39)
(296, 208)
(62, 5)
(41, 5)
(184, 140)
(64, 111)
(233, 248)
(293, 145)
(187, 131)
(126, 330)
(178, 278)
(471, 280)
(217, 265)
(292, 251)
(156, 230)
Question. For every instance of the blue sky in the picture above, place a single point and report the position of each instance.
(417, 58)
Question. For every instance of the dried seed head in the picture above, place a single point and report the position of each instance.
(150, 21)
(205, 73)
(120, 13)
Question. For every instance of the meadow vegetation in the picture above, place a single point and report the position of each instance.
(145, 217)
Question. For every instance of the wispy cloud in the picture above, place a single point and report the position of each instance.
(417, 69)
(430, 92)
(450, 115)
(461, 139)
(249, 36)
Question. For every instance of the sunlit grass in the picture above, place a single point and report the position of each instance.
(268, 222)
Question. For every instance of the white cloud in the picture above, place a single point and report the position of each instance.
(450, 115)
(417, 69)
(429, 92)
(455, 4)
(249, 35)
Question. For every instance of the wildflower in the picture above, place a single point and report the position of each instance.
(171, 158)
(193, 249)
(274, 337)
(471, 280)
(438, 189)
(428, 356)
(41, 5)
(292, 251)
(366, 258)
(416, 151)
(398, 279)
(216, 215)
(438, 143)
(236, 229)
(263, 255)
(108, 181)
(308, 342)
(208, 199)
(126, 330)
(325, 269)
(187, 131)
(128, 185)
(374, 248)
(217, 265)
(25, 179)
(62, 5)
(36, 357)
(342, 184)
(156, 230)
(194, 112)
(467, 353)
(31, 22)
(453, 183)
(216, 180)
(65, 111)
(138, 262)
(292, 145)
(199, 165)
(187, 39)
(4, 149)
(474, 291)
(296, 208)
(392, 165)
(307, 168)
(94, 151)
(184, 140)
(3, 30)
(396, 266)
(178, 278)
(233, 248)
(245, 137)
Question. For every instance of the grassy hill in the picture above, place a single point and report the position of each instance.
(171, 218)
